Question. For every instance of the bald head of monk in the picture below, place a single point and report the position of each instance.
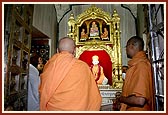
(66, 44)
(134, 45)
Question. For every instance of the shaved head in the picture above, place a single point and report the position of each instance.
(137, 41)
(66, 44)
(134, 45)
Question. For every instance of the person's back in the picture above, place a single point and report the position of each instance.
(33, 85)
(68, 84)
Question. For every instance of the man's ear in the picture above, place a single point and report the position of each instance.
(74, 52)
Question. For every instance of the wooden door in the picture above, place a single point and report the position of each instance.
(17, 31)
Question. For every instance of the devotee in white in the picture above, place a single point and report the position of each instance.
(33, 85)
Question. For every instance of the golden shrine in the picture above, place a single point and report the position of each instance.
(96, 32)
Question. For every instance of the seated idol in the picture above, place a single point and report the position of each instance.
(97, 71)
(84, 35)
(94, 31)
(104, 35)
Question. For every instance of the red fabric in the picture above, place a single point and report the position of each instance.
(104, 61)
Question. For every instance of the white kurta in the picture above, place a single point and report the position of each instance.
(33, 85)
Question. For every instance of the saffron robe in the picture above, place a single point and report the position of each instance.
(98, 73)
(67, 85)
(139, 82)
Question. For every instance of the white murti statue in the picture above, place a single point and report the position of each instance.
(97, 71)
(94, 31)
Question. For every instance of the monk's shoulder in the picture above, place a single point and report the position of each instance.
(144, 65)
(81, 66)
(81, 62)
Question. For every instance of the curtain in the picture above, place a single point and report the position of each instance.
(104, 61)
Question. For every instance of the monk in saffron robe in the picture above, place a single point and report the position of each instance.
(67, 83)
(137, 91)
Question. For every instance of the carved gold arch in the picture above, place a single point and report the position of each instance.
(108, 49)
(110, 45)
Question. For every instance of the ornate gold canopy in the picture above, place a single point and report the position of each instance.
(87, 41)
